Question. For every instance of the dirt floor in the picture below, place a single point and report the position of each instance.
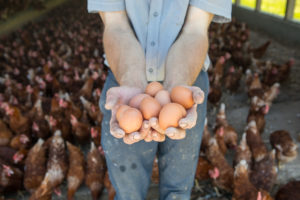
(284, 114)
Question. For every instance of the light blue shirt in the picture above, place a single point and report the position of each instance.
(157, 24)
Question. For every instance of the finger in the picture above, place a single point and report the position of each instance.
(132, 138)
(145, 129)
(175, 133)
(112, 98)
(190, 120)
(148, 137)
(154, 124)
(157, 136)
(198, 94)
(115, 129)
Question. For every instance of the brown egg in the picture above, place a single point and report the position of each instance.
(170, 115)
(150, 107)
(183, 96)
(121, 110)
(136, 100)
(163, 97)
(183, 110)
(153, 87)
(131, 120)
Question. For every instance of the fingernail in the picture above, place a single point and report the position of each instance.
(146, 125)
(171, 134)
(155, 134)
(136, 136)
(183, 124)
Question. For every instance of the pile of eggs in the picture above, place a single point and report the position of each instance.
(155, 102)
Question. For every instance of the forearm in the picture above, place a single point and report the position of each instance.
(187, 55)
(123, 51)
(185, 59)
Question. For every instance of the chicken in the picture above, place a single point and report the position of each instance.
(20, 142)
(87, 88)
(222, 172)
(203, 169)
(219, 136)
(255, 88)
(243, 152)
(155, 172)
(258, 52)
(248, 77)
(264, 172)
(257, 113)
(219, 69)
(271, 94)
(69, 107)
(93, 111)
(56, 168)
(232, 79)
(5, 134)
(286, 148)
(96, 135)
(40, 126)
(35, 166)
(285, 69)
(205, 137)
(18, 123)
(60, 123)
(76, 169)
(80, 129)
(215, 93)
(95, 172)
(10, 177)
(109, 187)
(6, 154)
(255, 143)
(289, 191)
(270, 73)
(243, 188)
(19, 157)
(230, 134)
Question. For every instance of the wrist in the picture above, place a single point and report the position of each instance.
(133, 82)
(169, 84)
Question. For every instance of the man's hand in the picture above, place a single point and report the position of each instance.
(115, 97)
(188, 122)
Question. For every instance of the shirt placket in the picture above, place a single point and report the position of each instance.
(152, 40)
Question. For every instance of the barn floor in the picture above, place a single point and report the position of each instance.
(284, 114)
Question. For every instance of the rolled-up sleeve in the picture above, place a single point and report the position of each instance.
(220, 8)
(105, 5)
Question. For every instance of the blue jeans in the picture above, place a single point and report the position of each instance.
(130, 166)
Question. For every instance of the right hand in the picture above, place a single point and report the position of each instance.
(115, 97)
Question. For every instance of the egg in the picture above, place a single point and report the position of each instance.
(121, 110)
(163, 97)
(136, 100)
(182, 96)
(153, 87)
(170, 115)
(150, 107)
(130, 120)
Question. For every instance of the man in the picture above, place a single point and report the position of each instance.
(155, 40)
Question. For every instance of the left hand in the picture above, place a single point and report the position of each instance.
(188, 122)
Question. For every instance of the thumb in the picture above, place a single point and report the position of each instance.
(112, 98)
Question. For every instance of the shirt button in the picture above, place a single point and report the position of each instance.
(152, 43)
(150, 70)
(155, 14)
